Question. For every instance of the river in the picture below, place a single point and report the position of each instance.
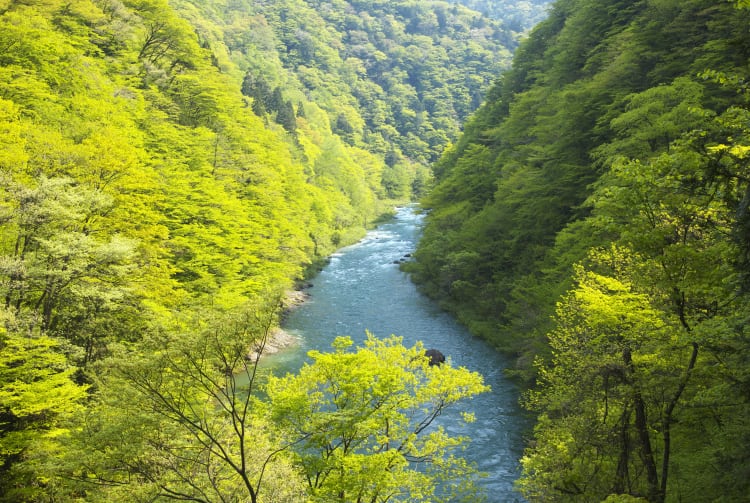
(363, 289)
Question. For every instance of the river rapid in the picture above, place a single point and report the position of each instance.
(362, 289)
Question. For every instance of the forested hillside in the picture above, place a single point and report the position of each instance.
(396, 78)
(593, 219)
(167, 170)
(517, 16)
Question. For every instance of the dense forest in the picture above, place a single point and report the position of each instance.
(593, 219)
(396, 78)
(167, 170)
(517, 16)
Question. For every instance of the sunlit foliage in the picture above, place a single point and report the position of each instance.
(593, 219)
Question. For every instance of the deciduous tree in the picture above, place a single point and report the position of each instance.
(362, 423)
(194, 431)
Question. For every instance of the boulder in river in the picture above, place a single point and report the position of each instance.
(435, 356)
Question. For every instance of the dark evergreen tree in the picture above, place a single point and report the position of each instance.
(286, 117)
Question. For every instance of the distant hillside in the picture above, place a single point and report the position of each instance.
(397, 78)
(518, 16)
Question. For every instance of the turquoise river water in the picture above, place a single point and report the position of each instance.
(363, 289)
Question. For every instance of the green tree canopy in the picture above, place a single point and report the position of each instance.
(361, 423)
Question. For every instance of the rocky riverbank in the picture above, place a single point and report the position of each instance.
(279, 339)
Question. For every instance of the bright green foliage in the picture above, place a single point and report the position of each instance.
(56, 269)
(135, 183)
(659, 404)
(650, 424)
(594, 82)
(37, 391)
(391, 75)
(191, 421)
(609, 150)
(171, 160)
(596, 395)
(183, 422)
(519, 16)
(360, 423)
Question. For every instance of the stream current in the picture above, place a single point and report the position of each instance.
(362, 289)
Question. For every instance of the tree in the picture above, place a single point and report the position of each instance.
(665, 302)
(37, 394)
(396, 180)
(595, 81)
(286, 117)
(193, 430)
(361, 423)
(54, 269)
(599, 396)
(259, 90)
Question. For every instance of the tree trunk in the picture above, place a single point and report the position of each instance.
(622, 480)
(667, 421)
(641, 427)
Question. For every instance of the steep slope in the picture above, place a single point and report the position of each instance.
(517, 16)
(593, 218)
(396, 78)
(242, 142)
(528, 157)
